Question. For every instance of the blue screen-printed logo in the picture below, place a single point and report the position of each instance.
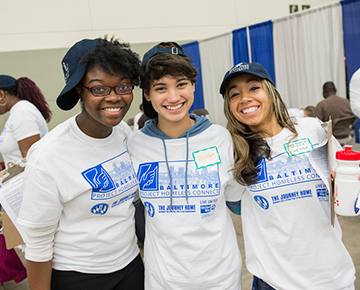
(263, 172)
(206, 208)
(262, 201)
(356, 209)
(150, 209)
(100, 208)
(148, 176)
(99, 179)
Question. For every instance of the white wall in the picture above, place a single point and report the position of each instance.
(35, 34)
(48, 24)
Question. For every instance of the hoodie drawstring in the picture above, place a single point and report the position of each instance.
(186, 166)
(168, 169)
(186, 170)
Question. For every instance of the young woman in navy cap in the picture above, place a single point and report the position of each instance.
(183, 166)
(79, 183)
(289, 241)
(28, 114)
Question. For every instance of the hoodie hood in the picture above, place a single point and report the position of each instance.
(201, 124)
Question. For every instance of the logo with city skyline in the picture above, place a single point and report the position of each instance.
(262, 173)
(111, 178)
(155, 177)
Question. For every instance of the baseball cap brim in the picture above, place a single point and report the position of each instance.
(68, 97)
(7, 81)
(254, 68)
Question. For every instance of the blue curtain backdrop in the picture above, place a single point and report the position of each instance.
(240, 46)
(351, 29)
(262, 49)
(192, 50)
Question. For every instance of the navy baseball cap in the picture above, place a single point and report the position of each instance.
(74, 72)
(7, 81)
(253, 68)
(148, 108)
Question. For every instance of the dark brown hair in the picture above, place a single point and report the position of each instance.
(26, 89)
(250, 146)
(167, 64)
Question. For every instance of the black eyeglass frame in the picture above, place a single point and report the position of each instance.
(131, 88)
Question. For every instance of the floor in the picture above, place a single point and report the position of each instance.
(351, 239)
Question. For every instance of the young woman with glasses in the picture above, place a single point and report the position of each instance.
(79, 183)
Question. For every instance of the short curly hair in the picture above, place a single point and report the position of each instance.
(114, 57)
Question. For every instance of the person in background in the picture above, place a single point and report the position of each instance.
(137, 117)
(289, 240)
(297, 113)
(142, 121)
(334, 107)
(183, 166)
(28, 114)
(354, 89)
(79, 182)
(309, 111)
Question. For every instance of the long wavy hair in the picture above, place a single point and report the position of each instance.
(250, 146)
(26, 89)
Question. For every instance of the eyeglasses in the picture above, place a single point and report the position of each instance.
(100, 91)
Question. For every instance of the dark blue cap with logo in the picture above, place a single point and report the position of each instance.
(148, 108)
(253, 68)
(74, 72)
(156, 50)
(7, 81)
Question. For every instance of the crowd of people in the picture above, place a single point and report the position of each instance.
(178, 173)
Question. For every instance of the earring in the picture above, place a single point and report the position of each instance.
(4, 104)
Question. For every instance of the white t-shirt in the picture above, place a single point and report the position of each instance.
(194, 246)
(86, 186)
(354, 88)
(24, 121)
(289, 241)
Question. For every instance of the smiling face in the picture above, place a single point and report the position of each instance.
(250, 104)
(172, 98)
(101, 113)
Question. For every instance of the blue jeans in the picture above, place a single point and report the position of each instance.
(259, 284)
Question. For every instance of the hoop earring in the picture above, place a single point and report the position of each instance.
(2, 105)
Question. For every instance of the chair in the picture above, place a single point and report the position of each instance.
(130, 122)
(345, 122)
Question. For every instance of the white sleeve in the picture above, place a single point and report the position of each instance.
(234, 191)
(23, 124)
(41, 205)
(39, 243)
(355, 93)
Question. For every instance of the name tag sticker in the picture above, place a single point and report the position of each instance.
(206, 157)
(298, 147)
